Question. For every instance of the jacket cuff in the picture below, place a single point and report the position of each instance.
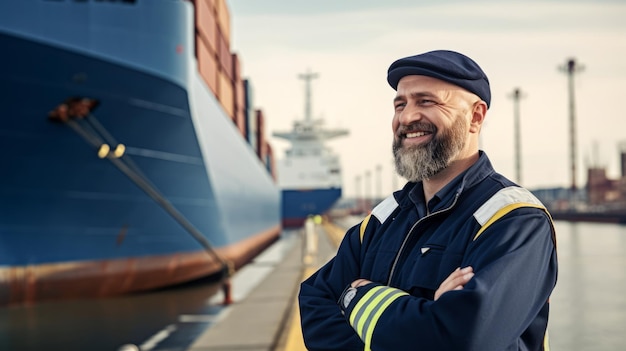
(351, 296)
(362, 307)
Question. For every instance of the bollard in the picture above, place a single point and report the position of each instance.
(310, 242)
(226, 289)
(226, 284)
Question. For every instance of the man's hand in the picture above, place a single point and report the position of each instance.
(455, 281)
(359, 282)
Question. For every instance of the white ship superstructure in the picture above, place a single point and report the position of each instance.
(310, 173)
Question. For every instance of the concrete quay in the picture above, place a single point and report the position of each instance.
(265, 316)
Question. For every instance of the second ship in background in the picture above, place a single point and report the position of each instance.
(310, 173)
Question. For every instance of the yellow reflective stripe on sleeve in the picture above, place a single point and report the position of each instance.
(360, 307)
(369, 329)
(363, 226)
(502, 212)
(370, 307)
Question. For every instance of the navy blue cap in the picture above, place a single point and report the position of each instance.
(449, 66)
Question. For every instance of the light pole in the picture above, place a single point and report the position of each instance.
(570, 68)
(516, 96)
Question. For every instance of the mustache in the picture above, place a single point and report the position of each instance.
(415, 127)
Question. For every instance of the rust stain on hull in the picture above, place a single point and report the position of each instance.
(91, 279)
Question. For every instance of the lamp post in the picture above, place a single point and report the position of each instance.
(516, 96)
(570, 68)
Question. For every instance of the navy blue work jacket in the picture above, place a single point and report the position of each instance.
(487, 222)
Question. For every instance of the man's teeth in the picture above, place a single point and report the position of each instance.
(415, 134)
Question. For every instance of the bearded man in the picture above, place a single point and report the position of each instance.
(461, 258)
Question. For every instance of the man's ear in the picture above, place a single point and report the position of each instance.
(479, 111)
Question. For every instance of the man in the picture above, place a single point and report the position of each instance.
(461, 258)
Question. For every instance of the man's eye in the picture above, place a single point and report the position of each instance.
(426, 102)
(400, 106)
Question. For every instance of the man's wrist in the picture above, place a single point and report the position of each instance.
(359, 282)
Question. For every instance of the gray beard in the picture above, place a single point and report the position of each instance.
(418, 162)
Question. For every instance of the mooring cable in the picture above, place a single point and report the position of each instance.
(134, 174)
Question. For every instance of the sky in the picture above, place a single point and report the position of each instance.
(519, 44)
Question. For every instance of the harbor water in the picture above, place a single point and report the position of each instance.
(588, 306)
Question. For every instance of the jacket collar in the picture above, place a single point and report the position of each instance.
(476, 173)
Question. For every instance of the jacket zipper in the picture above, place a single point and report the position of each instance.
(406, 238)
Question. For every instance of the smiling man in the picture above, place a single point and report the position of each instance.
(461, 258)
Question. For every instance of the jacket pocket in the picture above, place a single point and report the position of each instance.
(432, 264)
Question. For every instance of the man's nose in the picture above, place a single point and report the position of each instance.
(409, 115)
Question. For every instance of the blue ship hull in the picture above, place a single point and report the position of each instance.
(72, 224)
(297, 205)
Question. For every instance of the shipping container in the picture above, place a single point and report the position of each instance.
(250, 115)
(225, 94)
(224, 55)
(207, 65)
(210, 3)
(240, 116)
(206, 23)
(223, 18)
(240, 99)
(260, 135)
(237, 73)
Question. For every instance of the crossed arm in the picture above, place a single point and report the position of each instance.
(455, 281)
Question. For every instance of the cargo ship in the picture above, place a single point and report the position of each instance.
(134, 158)
(310, 172)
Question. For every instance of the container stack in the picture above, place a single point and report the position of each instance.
(221, 70)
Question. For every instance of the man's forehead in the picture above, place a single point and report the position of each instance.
(417, 84)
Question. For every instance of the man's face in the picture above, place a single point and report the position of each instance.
(430, 125)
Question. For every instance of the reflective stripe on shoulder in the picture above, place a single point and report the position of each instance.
(382, 211)
(503, 202)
